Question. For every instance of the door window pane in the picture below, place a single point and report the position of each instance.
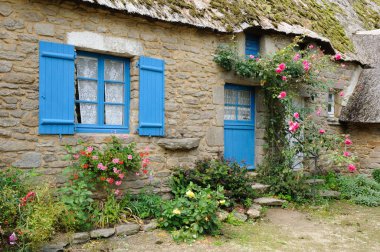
(244, 97)
(229, 113)
(244, 113)
(229, 96)
(113, 70)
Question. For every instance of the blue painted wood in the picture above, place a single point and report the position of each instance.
(101, 127)
(252, 45)
(239, 135)
(152, 97)
(56, 88)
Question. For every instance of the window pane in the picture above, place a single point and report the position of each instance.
(229, 96)
(229, 113)
(86, 113)
(88, 90)
(329, 107)
(244, 113)
(330, 98)
(87, 67)
(113, 115)
(113, 70)
(114, 93)
(244, 97)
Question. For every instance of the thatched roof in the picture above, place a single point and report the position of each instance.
(327, 20)
(364, 104)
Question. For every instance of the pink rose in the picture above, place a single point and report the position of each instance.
(278, 70)
(306, 65)
(121, 175)
(251, 56)
(115, 160)
(293, 126)
(338, 56)
(130, 157)
(296, 115)
(346, 154)
(348, 141)
(318, 112)
(282, 95)
(296, 57)
(351, 168)
(341, 94)
(118, 183)
(282, 66)
(322, 131)
(284, 78)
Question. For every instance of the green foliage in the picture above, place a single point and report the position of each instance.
(40, 218)
(109, 212)
(76, 196)
(376, 175)
(193, 213)
(360, 189)
(232, 220)
(145, 205)
(214, 173)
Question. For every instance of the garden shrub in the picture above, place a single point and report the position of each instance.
(214, 173)
(145, 205)
(192, 213)
(360, 189)
(109, 212)
(376, 175)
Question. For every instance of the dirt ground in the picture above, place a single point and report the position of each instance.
(337, 227)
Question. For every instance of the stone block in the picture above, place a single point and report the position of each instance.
(18, 78)
(266, 201)
(102, 233)
(45, 29)
(5, 9)
(9, 122)
(79, 238)
(12, 24)
(127, 229)
(222, 215)
(240, 216)
(218, 95)
(254, 211)
(215, 136)
(179, 144)
(5, 66)
(152, 225)
(28, 160)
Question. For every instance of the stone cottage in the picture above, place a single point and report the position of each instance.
(87, 69)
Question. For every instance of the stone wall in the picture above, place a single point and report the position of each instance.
(194, 83)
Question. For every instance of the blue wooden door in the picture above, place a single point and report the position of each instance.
(239, 124)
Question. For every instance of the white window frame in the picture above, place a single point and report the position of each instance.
(331, 104)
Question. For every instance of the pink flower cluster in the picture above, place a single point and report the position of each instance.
(102, 167)
(282, 95)
(293, 126)
(296, 57)
(306, 65)
(281, 67)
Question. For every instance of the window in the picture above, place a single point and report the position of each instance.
(237, 104)
(331, 105)
(252, 45)
(101, 93)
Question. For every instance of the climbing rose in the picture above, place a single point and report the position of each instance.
(284, 78)
(306, 65)
(322, 131)
(338, 56)
(347, 141)
(293, 126)
(351, 167)
(296, 115)
(251, 56)
(118, 182)
(341, 94)
(282, 66)
(346, 154)
(282, 95)
(115, 160)
(12, 239)
(318, 112)
(296, 57)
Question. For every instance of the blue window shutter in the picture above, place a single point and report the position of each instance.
(152, 97)
(56, 89)
(252, 45)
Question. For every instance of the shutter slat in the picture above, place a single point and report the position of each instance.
(152, 96)
(56, 108)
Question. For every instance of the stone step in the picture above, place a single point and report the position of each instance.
(329, 194)
(252, 174)
(260, 187)
(254, 211)
(267, 201)
(314, 181)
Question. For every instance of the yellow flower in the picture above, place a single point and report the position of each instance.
(222, 202)
(190, 194)
(206, 218)
(176, 211)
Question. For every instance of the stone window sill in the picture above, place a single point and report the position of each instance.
(333, 121)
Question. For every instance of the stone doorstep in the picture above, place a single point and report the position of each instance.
(329, 194)
(260, 187)
(267, 201)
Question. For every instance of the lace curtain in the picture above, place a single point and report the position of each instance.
(87, 90)
(230, 107)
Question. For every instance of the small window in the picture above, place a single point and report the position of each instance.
(252, 45)
(101, 93)
(331, 105)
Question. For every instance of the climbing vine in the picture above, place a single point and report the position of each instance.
(295, 135)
